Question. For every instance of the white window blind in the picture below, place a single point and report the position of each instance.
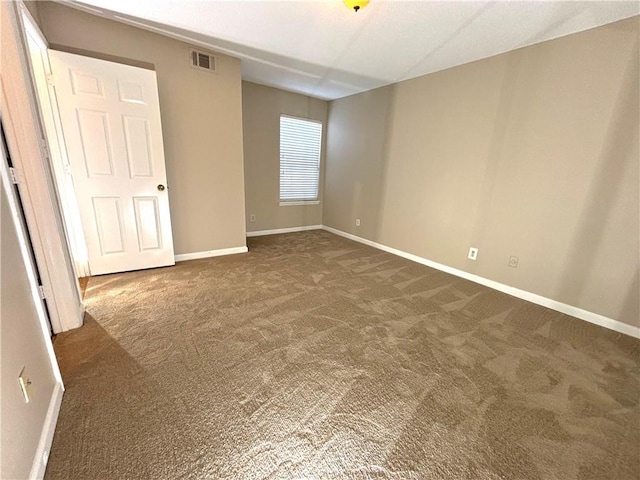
(300, 142)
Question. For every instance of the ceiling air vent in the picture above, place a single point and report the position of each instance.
(203, 61)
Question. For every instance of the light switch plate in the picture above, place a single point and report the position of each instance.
(25, 385)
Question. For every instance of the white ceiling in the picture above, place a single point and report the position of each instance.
(323, 49)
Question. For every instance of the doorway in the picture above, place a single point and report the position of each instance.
(102, 122)
(7, 168)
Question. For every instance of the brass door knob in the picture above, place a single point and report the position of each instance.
(161, 187)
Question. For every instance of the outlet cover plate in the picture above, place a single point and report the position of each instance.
(473, 253)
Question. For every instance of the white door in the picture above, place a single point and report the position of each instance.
(110, 117)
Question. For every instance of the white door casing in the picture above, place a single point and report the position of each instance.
(18, 109)
(111, 123)
(42, 80)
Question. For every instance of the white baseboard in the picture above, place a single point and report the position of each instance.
(284, 230)
(591, 317)
(41, 457)
(181, 257)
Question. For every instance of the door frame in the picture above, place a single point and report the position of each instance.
(37, 47)
(26, 144)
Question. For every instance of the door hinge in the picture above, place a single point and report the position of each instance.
(41, 292)
(50, 79)
(13, 174)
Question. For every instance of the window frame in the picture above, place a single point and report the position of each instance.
(297, 202)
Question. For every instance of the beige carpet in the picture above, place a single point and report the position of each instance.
(316, 357)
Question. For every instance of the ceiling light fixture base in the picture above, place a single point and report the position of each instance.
(356, 4)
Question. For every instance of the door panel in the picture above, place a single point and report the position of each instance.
(136, 134)
(96, 141)
(148, 223)
(111, 123)
(108, 216)
(130, 91)
(86, 84)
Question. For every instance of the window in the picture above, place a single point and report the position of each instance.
(300, 142)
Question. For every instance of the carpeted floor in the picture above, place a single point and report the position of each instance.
(319, 358)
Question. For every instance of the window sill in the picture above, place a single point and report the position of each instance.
(304, 202)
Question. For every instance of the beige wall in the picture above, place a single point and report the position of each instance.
(261, 109)
(533, 153)
(357, 144)
(32, 6)
(21, 345)
(23, 341)
(201, 123)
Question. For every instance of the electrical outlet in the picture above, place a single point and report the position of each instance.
(25, 385)
(513, 262)
(357, 222)
(252, 217)
(473, 253)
